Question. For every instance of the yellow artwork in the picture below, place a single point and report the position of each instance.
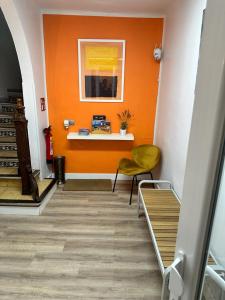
(101, 58)
(101, 70)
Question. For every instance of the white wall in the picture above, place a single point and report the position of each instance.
(10, 76)
(25, 24)
(176, 89)
(32, 25)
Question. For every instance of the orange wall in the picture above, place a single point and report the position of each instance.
(141, 87)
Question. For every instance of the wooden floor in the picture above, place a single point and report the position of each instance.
(85, 246)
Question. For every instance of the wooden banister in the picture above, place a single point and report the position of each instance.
(29, 184)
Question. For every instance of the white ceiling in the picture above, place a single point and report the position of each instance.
(120, 7)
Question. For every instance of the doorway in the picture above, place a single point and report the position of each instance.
(10, 90)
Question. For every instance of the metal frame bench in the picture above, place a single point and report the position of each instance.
(162, 208)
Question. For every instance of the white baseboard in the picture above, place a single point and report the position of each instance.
(28, 211)
(96, 176)
(101, 176)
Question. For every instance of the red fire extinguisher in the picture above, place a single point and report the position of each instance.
(49, 145)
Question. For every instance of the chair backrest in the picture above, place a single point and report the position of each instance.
(146, 156)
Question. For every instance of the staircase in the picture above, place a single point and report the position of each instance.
(11, 184)
(20, 186)
(8, 149)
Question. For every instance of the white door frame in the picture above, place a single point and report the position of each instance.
(204, 152)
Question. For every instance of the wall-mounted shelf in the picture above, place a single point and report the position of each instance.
(102, 137)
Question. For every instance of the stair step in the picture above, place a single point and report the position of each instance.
(12, 174)
(8, 172)
(13, 99)
(6, 116)
(7, 139)
(12, 96)
(8, 150)
(9, 163)
(10, 182)
(8, 154)
(7, 134)
(14, 91)
(4, 100)
(11, 195)
(8, 146)
(6, 120)
(7, 108)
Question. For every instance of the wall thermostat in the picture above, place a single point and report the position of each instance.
(157, 53)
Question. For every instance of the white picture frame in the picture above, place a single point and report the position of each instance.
(91, 77)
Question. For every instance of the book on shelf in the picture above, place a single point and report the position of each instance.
(84, 131)
(100, 127)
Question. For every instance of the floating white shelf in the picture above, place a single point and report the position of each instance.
(102, 137)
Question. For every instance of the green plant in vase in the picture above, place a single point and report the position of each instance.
(124, 118)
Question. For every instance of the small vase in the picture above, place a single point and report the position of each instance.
(123, 131)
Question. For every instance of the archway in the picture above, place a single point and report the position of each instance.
(10, 75)
(16, 26)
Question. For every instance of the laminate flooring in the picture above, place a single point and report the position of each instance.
(85, 246)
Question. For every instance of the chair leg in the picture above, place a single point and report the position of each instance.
(136, 180)
(152, 179)
(114, 185)
(151, 175)
(131, 192)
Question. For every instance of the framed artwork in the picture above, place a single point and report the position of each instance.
(101, 70)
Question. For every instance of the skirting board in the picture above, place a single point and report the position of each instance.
(26, 210)
(101, 176)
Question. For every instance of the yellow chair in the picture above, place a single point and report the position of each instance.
(144, 159)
